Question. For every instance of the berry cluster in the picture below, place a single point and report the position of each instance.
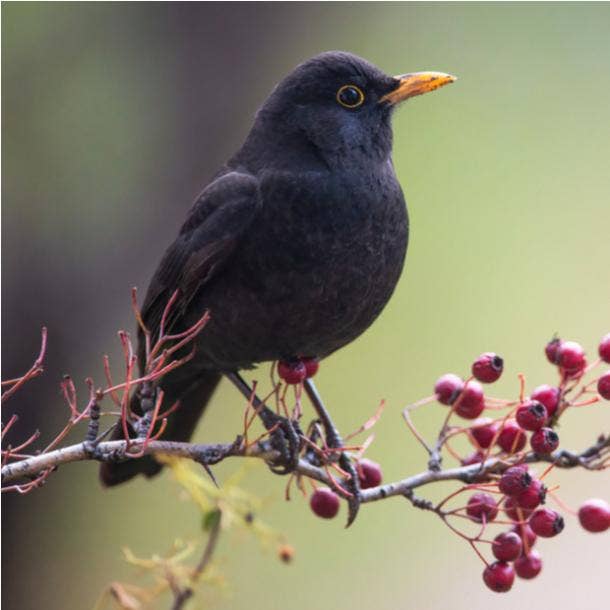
(507, 437)
(293, 372)
(523, 495)
(517, 497)
(513, 549)
(537, 414)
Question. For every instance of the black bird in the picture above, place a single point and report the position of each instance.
(297, 243)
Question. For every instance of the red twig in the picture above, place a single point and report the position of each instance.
(35, 370)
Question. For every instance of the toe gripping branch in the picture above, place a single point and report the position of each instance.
(334, 441)
(286, 435)
(288, 439)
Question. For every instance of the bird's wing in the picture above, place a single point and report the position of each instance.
(220, 216)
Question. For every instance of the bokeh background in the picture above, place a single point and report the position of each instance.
(115, 115)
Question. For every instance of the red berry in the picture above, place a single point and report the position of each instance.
(515, 480)
(604, 348)
(447, 388)
(474, 458)
(482, 507)
(324, 503)
(507, 546)
(548, 396)
(531, 415)
(499, 576)
(488, 367)
(594, 515)
(483, 434)
(546, 522)
(533, 496)
(526, 533)
(571, 357)
(603, 385)
(511, 438)
(528, 566)
(311, 366)
(576, 373)
(512, 510)
(471, 401)
(369, 474)
(292, 372)
(545, 440)
(551, 349)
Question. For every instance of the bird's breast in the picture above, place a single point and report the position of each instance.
(316, 267)
(325, 254)
(318, 220)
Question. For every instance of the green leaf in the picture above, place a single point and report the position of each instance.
(211, 519)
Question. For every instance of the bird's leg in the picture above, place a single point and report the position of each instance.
(147, 395)
(93, 437)
(334, 441)
(286, 438)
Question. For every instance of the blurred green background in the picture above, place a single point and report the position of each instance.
(114, 117)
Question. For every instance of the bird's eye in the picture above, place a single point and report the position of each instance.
(350, 96)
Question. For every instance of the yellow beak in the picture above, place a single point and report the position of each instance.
(417, 83)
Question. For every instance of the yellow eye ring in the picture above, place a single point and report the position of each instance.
(350, 96)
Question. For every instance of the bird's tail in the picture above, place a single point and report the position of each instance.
(180, 425)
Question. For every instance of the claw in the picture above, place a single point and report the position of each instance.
(334, 441)
(92, 450)
(148, 397)
(285, 439)
(353, 503)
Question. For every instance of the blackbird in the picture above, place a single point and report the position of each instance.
(296, 244)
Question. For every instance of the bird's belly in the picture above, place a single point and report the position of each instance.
(308, 288)
(304, 315)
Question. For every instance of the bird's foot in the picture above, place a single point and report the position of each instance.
(148, 395)
(285, 434)
(93, 438)
(114, 456)
(93, 451)
(352, 483)
(335, 442)
(285, 438)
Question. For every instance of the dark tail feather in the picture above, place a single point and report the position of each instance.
(180, 425)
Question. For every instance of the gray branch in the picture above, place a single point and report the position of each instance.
(592, 458)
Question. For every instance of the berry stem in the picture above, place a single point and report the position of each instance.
(561, 503)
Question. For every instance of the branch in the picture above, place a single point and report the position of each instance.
(320, 454)
(214, 453)
(474, 473)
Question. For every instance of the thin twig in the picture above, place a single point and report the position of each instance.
(591, 458)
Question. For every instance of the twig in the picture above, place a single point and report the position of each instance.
(35, 370)
(181, 597)
(209, 549)
(590, 458)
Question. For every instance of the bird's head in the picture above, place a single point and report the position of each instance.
(339, 106)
